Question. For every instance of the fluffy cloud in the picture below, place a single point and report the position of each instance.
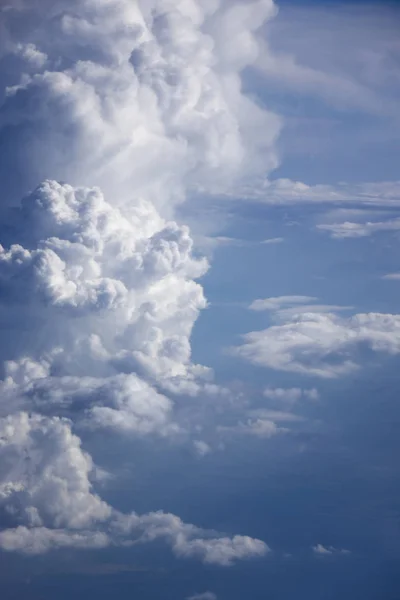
(320, 344)
(45, 474)
(98, 285)
(222, 551)
(116, 286)
(122, 86)
(47, 497)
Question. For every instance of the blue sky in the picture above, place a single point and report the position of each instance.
(199, 287)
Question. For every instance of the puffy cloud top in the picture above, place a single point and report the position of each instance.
(98, 285)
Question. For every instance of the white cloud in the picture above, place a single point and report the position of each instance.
(201, 448)
(276, 240)
(98, 288)
(392, 276)
(321, 550)
(47, 497)
(38, 540)
(350, 229)
(285, 307)
(49, 472)
(288, 192)
(259, 427)
(275, 303)
(318, 344)
(222, 551)
(126, 86)
(290, 395)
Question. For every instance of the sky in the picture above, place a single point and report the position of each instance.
(199, 286)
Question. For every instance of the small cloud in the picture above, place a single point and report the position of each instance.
(257, 427)
(276, 302)
(276, 240)
(204, 596)
(201, 448)
(391, 276)
(328, 550)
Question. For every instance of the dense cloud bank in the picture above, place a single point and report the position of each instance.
(98, 285)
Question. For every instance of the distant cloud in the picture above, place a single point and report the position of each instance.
(392, 276)
(350, 229)
(276, 302)
(288, 306)
(321, 550)
(258, 427)
(204, 596)
(320, 344)
(288, 397)
(201, 448)
(288, 192)
(276, 240)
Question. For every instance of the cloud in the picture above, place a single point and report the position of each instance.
(350, 229)
(276, 240)
(288, 306)
(121, 88)
(203, 596)
(288, 397)
(223, 551)
(321, 550)
(321, 345)
(47, 496)
(201, 448)
(392, 276)
(277, 302)
(133, 105)
(355, 71)
(286, 192)
(258, 427)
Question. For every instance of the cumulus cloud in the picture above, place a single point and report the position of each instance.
(123, 86)
(133, 104)
(320, 344)
(47, 496)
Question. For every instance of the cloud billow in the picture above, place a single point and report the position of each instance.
(130, 104)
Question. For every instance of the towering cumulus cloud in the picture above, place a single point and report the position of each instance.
(132, 104)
